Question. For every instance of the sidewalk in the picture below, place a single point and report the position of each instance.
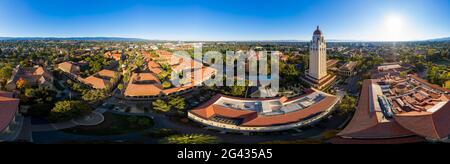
(95, 118)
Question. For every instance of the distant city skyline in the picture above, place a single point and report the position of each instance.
(232, 20)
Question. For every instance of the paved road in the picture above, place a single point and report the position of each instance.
(26, 132)
(162, 121)
(70, 124)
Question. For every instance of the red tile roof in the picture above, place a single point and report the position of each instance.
(432, 125)
(437, 87)
(69, 67)
(154, 67)
(293, 116)
(366, 124)
(114, 55)
(6, 94)
(9, 107)
(252, 119)
(101, 79)
(143, 84)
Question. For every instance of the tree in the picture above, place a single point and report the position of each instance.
(94, 95)
(289, 74)
(29, 92)
(348, 104)
(237, 90)
(328, 134)
(139, 61)
(161, 106)
(126, 77)
(39, 95)
(144, 122)
(403, 74)
(166, 84)
(178, 103)
(67, 110)
(120, 87)
(21, 84)
(5, 73)
(190, 139)
(163, 75)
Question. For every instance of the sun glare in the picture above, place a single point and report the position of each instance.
(394, 24)
(394, 28)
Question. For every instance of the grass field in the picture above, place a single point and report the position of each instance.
(115, 124)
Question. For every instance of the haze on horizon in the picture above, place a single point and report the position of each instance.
(221, 20)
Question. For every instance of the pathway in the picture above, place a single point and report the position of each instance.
(95, 118)
(26, 133)
(162, 121)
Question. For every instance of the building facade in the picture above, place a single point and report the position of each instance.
(317, 75)
(348, 69)
(35, 76)
(394, 109)
(318, 56)
(226, 113)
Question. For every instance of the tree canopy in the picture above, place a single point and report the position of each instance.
(67, 110)
(161, 105)
(178, 102)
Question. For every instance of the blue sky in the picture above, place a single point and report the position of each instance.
(227, 19)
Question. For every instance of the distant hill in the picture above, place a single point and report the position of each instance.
(440, 39)
(73, 38)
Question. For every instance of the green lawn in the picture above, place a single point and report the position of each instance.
(115, 124)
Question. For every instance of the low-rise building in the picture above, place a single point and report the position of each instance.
(399, 110)
(332, 63)
(154, 67)
(348, 69)
(102, 80)
(69, 67)
(115, 55)
(143, 85)
(388, 67)
(9, 110)
(264, 114)
(34, 76)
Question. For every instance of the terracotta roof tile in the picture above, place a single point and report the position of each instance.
(143, 84)
(101, 79)
(9, 107)
(252, 119)
(432, 125)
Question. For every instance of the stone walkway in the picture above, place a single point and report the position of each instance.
(95, 118)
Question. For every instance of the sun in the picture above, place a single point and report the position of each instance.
(393, 24)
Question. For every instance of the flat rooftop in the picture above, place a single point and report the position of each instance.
(262, 112)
